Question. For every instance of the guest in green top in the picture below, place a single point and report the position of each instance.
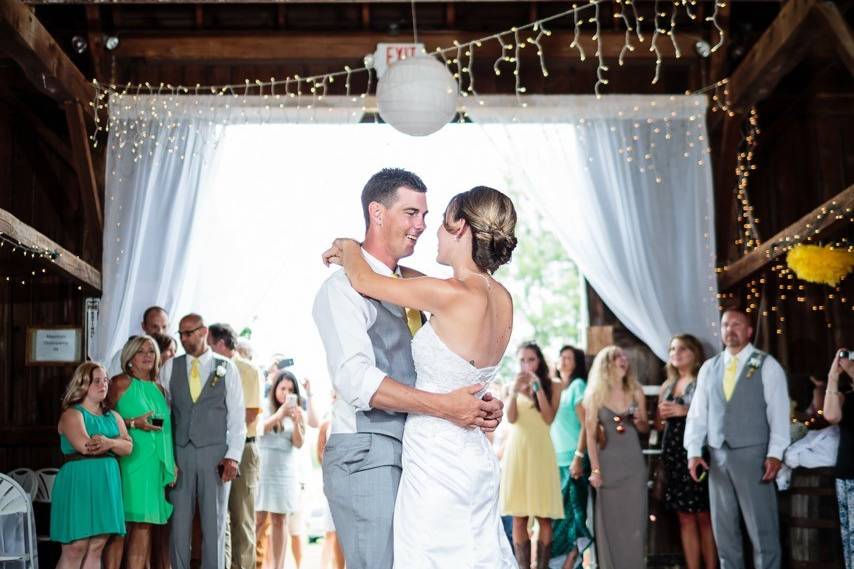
(87, 497)
(151, 467)
(571, 536)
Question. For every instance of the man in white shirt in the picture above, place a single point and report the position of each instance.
(209, 426)
(370, 362)
(155, 320)
(741, 410)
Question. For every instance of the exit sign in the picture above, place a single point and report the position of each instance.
(388, 53)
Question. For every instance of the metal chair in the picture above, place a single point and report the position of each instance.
(45, 478)
(17, 528)
(27, 479)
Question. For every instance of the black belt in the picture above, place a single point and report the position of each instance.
(250, 439)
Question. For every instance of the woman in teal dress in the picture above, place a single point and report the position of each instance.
(571, 536)
(150, 468)
(87, 495)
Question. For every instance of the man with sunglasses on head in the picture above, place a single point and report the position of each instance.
(209, 415)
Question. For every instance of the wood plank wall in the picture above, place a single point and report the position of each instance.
(30, 396)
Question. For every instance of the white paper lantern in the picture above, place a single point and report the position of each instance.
(417, 95)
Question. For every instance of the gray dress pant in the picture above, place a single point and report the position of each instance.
(199, 480)
(361, 474)
(735, 483)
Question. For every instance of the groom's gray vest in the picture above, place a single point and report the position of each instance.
(202, 422)
(741, 421)
(391, 340)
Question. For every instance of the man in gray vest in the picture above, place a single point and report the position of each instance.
(741, 410)
(370, 363)
(210, 430)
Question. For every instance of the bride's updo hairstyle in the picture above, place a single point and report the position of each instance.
(492, 219)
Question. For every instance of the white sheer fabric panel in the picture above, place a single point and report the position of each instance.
(161, 156)
(626, 183)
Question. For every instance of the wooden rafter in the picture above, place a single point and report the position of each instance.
(67, 262)
(832, 20)
(795, 233)
(778, 50)
(26, 41)
(354, 45)
(95, 40)
(87, 180)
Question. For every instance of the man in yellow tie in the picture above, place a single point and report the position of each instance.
(209, 426)
(740, 411)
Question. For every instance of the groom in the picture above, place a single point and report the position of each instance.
(370, 362)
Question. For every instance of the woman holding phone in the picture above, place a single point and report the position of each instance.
(150, 468)
(530, 483)
(278, 484)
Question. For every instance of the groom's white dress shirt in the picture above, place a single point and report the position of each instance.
(774, 388)
(343, 318)
(234, 408)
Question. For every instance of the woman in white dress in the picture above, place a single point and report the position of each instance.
(446, 513)
(278, 484)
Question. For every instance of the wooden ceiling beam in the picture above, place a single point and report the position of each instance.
(90, 193)
(354, 45)
(67, 262)
(778, 50)
(25, 40)
(795, 233)
(832, 20)
(95, 40)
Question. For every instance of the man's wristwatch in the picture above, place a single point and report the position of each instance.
(579, 454)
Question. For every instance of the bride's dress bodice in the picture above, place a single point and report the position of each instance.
(440, 370)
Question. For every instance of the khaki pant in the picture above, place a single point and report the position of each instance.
(240, 548)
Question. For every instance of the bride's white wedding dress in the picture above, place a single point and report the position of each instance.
(446, 515)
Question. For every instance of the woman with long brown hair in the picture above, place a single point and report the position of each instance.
(689, 499)
(530, 482)
(87, 506)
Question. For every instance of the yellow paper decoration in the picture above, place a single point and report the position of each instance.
(823, 265)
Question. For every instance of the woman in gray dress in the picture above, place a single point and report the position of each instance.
(278, 483)
(615, 411)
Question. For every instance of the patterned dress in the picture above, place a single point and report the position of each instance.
(681, 493)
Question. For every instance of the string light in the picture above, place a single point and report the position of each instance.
(28, 251)
(748, 232)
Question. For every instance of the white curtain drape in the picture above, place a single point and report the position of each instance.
(626, 183)
(161, 156)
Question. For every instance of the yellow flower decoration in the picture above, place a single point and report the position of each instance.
(823, 265)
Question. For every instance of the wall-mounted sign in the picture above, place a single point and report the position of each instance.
(54, 345)
(388, 53)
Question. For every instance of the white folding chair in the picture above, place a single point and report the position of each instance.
(45, 478)
(17, 528)
(27, 479)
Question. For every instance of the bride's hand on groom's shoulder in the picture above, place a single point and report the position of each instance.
(336, 254)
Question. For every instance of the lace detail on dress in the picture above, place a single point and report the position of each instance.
(440, 370)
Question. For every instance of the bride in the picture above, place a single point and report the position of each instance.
(446, 514)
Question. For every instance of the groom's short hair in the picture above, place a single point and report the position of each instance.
(382, 188)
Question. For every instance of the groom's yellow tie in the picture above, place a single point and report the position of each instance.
(195, 379)
(413, 316)
(729, 377)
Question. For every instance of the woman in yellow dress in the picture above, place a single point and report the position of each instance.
(530, 482)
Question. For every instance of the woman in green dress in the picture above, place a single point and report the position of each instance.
(87, 495)
(571, 536)
(150, 468)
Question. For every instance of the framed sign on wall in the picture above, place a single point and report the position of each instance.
(54, 345)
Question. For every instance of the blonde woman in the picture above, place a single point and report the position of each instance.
(689, 499)
(146, 472)
(615, 412)
(87, 495)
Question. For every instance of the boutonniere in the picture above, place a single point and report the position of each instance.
(219, 373)
(753, 364)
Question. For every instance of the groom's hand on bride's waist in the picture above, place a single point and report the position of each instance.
(465, 409)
